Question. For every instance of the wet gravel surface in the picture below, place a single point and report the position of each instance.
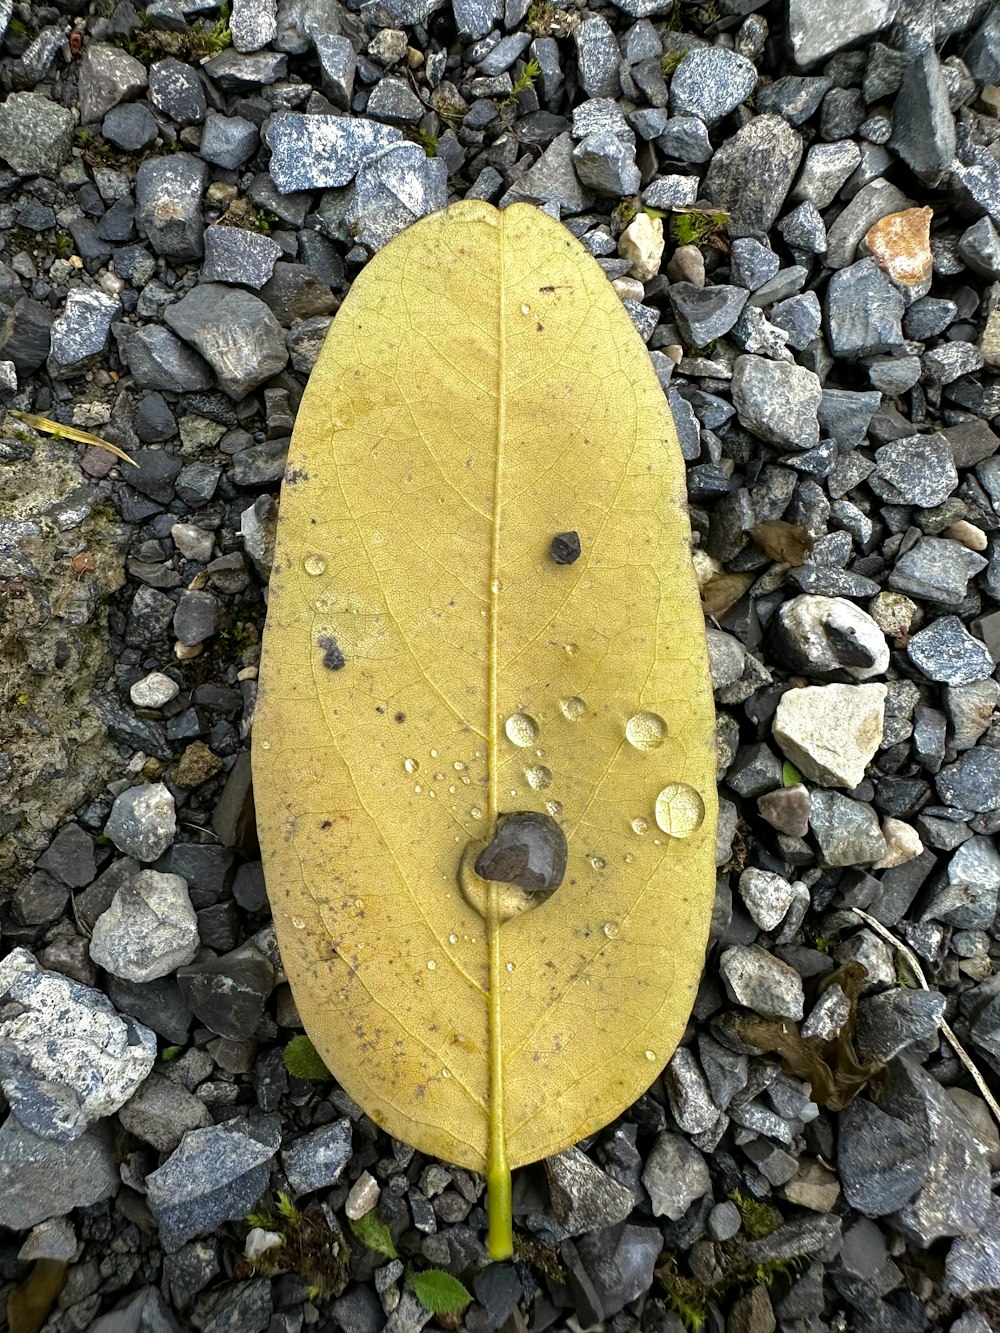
(798, 204)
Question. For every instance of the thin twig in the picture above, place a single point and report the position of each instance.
(946, 1030)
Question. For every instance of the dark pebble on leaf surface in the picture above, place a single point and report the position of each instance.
(565, 547)
(528, 850)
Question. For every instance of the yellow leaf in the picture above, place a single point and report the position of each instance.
(57, 428)
(427, 666)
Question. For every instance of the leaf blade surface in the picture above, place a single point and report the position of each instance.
(483, 389)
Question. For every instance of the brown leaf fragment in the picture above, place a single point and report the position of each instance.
(788, 542)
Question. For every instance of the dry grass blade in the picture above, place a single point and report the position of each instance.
(51, 427)
(946, 1031)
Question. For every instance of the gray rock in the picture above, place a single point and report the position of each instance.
(606, 165)
(70, 857)
(923, 128)
(80, 333)
(752, 264)
(823, 636)
(804, 231)
(148, 931)
(685, 139)
(142, 822)
(927, 317)
(671, 191)
(826, 168)
(872, 203)
(321, 152)
(948, 361)
(881, 1160)
(864, 310)
(159, 360)
(982, 55)
(847, 831)
(767, 896)
(972, 782)
(176, 90)
(337, 61)
(216, 1175)
(130, 127)
(979, 247)
(317, 1159)
(235, 332)
(238, 256)
(619, 1261)
(228, 141)
(228, 994)
(66, 1057)
(891, 1021)
(675, 1176)
(162, 1111)
(597, 57)
(168, 193)
(585, 1198)
(752, 172)
(235, 72)
(474, 18)
(197, 617)
(918, 470)
(54, 1239)
(937, 569)
(392, 100)
(108, 75)
(253, 23)
(760, 982)
(704, 314)
(970, 709)
(817, 28)
(394, 189)
(973, 1265)
(777, 401)
(36, 135)
(710, 82)
(946, 651)
(552, 180)
(795, 97)
(40, 1179)
(688, 1093)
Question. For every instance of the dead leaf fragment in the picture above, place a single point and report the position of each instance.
(788, 542)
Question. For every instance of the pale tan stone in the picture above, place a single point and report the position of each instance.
(901, 244)
(642, 244)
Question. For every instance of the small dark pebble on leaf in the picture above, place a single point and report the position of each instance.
(565, 548)
(528, 850)
(333, 658)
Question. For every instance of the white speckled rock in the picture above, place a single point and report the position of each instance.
(831, 732)
(148, 931)
(67, 1058)
(822, 635)
(143, 821)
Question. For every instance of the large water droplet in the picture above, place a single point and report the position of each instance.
(611, 929)
(598, 862)
(539, 777)
(573, 708)
(431, 965)
(298, 923)
(314, 564)
(650, 1055)
(476, 813)
(453, 939)
(646, 731)
(521, 729)
(411, 765)
(679, 810)
(640, 825)
(528, 850)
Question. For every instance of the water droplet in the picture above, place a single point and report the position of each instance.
(573, 708)
(298, 923)
(646, 731)
(432, 794)
(495, 587)
(452, 789)
(476, 813)
(459, 766)
(264, 745)
(571, 649)
(510, 967)
(611, 929)
(650, 1055)
(439, 777)
(446, 1073)
(524, 310)
(411, 765)
(521, 729)
(359, 903)
(434, 754)
(679, 810)
(314, 564)
(640, 825)
(628, 858)
(431, 965)
(554, 807)
(598, 862)
(418, 789)
(453, 939)
(539, 777)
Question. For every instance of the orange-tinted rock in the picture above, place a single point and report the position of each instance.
(901, 244)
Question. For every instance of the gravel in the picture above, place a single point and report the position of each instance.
(184, 210)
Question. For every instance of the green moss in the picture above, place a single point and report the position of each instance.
(690, 1298)
(525, 80)
(670, 62)
(310, 1246)
(198, 42)
(759, 1219)
(539, 17)
(543, 1258)
(698, 226)
(428, 141)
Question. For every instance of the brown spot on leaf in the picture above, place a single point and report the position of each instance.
(333, 657)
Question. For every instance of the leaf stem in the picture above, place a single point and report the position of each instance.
(498, 1203)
